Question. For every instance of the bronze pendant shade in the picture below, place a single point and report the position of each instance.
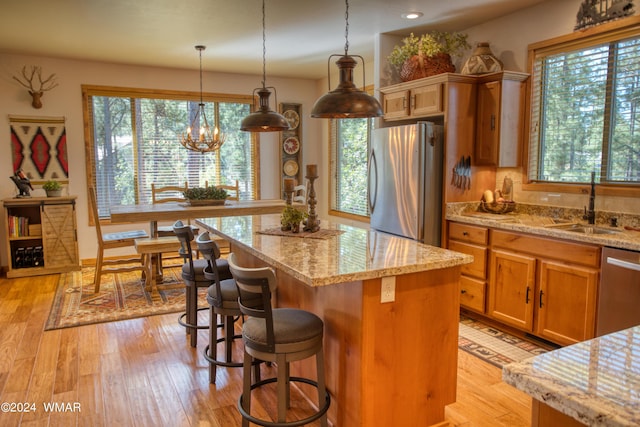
(346, 101)
(265, 119)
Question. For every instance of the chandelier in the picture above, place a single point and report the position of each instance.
(265, 119)
(346, 101)
(207, 139)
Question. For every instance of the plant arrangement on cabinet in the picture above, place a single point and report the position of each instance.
(428, 54)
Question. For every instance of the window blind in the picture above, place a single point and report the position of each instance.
(135, 142)
(349, 148)
(584, 112)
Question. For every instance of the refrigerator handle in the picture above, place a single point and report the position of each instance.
(373, 163)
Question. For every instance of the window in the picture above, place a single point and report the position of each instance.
(584, 107)
(349, 150)
(132, 141)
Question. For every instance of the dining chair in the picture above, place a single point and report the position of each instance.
(235, 191)
(280, 335)
(194, 278)
(114, 240)
(300, 193)
(222, 297)
(168, 194)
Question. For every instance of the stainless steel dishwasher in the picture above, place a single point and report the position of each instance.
(619, 296)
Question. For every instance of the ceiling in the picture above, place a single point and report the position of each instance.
(300, 34)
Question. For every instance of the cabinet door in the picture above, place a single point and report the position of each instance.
(426, 100)
(59, 235)
(488, 123)
(566, 302)
(396, 105)
(511, 289)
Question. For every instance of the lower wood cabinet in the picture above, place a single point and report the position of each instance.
(544, 286)
(471, 240)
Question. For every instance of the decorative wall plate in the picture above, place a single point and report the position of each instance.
(293, 118)
(291, 145)
(290, 168)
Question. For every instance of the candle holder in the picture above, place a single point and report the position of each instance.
(313, 223)
(289, 189)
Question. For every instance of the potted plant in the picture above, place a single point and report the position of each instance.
(428, 54)
(53, 188)
(291, 219)
(205, 195)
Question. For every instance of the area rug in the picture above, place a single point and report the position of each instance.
(492, 345)
(122, 296)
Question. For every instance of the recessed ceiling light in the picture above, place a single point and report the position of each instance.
(412, 15)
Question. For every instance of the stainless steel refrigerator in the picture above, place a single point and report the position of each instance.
(405, 181)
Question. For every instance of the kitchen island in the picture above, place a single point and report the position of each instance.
(594, 383)
(387, 363)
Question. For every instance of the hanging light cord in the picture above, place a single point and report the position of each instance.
(264, 49)
(346, 29)
(200, 49)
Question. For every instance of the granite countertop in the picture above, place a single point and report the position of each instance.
(596, 382)
(351, 254)
(553, 222)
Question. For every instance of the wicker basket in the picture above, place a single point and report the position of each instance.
(498, 207)
(419, 66)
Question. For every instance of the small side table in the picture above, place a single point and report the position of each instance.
(149, 248)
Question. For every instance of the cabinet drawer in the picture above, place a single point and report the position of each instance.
(569, 252)
(472, 294)
(468, 233)
(478, 268)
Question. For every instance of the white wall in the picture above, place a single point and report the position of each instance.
(65, 100)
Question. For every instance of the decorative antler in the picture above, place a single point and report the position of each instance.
(45, 85)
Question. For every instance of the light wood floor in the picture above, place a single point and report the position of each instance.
(142, 372)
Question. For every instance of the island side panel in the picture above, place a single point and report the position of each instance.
(340, 307)
(410, 349)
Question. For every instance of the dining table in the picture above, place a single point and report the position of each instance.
(173, 211)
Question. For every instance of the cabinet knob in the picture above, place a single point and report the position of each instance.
(463, 291)
(465, 233)
(493, 122)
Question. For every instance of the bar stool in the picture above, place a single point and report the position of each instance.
(222, 297)
(280, 335)
(193, 276)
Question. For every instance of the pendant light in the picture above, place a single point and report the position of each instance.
(265, 119)
(207, 140)
(346, 101)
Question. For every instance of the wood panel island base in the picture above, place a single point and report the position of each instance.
(387, 363)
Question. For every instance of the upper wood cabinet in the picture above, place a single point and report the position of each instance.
(419, 98)
(500, 118)
(417, 102)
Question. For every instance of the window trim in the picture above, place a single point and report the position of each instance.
(117, 91)
(583, 38)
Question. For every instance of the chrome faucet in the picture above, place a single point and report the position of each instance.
(590, 215)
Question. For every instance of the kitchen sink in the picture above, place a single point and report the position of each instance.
(588, 229)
